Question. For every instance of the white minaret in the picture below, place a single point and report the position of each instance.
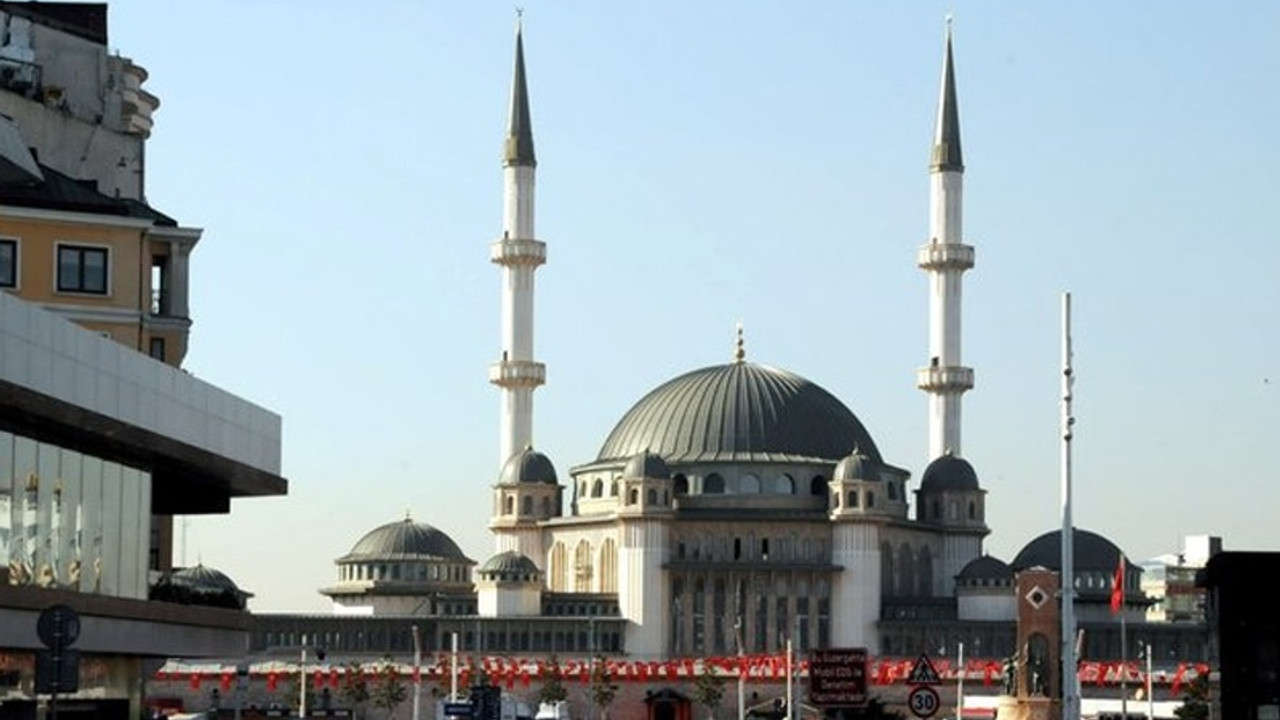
(945, 258)
(519, 255)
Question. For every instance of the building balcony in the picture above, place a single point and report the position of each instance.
(945, 256)
(517, 373)
(936, 378)
(511, 251)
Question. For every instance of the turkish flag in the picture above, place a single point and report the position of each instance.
(1117, 587)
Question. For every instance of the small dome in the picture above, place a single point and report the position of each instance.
(856, 466)
(511, 562)
(647, 465)
(986, 568)
(528, 466)
(404, 540)
(206, 579)
(1091, 552)
(949, 473)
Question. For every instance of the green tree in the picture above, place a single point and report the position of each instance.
(708, 690)
(552, 688)
(388, 690)
(354, 690)
(603, 689)
(1195, 699)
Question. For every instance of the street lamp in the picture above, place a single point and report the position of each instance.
(302, 676)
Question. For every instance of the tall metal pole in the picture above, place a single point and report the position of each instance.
(742, 669)
(417, 671)
(302, 681)
(791, 713)
(453, 670)
(960, 682)
(1151, 701)
(1070, 678)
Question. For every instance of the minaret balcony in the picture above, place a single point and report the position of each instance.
(513, 251)
(945, 256)
(939, 378)
(517, 373)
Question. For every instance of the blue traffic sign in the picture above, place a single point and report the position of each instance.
(458, 709)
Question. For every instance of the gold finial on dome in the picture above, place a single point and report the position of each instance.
(740, 351)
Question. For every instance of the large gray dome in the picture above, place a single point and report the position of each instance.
(404, 540)
(1090, 551)
(949, 473)
(739, 412)
(528, 466)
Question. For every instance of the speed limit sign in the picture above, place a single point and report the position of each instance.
(923, 701)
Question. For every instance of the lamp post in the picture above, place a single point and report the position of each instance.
(302, 675)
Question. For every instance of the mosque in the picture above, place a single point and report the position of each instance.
(734, 508)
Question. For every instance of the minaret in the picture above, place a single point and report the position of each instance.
(519, 255)
(945, 258)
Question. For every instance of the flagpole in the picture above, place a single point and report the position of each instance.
(1124, 645)
(1070, 689)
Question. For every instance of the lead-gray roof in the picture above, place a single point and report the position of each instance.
(510, 563)
(986, 567)
(949, 473)
(1090, 552)
(519, 143)
(404, 540)
(647, 465)
(946, 137)
(528, 466)
(854, 466)
(739, 412)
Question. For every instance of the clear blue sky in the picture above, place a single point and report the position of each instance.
(705, 163)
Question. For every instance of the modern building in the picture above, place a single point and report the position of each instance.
(103, 438)
(1169, 581)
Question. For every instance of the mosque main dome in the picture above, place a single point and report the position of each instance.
(404, 540)
(739, 412)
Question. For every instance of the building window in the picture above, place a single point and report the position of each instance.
(8, 263)
(82, 269)
(713, 484)
(157, 348)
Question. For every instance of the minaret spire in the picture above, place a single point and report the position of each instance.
(519, 144)
(519, 254)
(945, 258)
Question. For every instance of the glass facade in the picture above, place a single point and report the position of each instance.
(72, 521)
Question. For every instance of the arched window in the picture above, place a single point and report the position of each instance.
(973, 510)
(937, 510)
(546, 506)
(784, 485)
(613, 488)
(925, 574)
(582, 570)
(893, 491)
(713, 484)
(508, 505)
(749, 484)
(557, 569)
(680, 484)
(907, 573)
(818, 485)
(888, 572)
(652, 497)
(608, 566)
(633, 496)
(597, 489)
(526, 505)
(853, 499)
(871, 499)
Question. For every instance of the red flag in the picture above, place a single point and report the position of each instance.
(225, 681)
(1117, 587)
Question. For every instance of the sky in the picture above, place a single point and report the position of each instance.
(704, 164)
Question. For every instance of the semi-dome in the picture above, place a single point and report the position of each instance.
(854, 466)
(985, 568)
(509, 563)
(204, 578)
(404, 540)
(1090, 551)
(738, 412)
(199, 585)
(949, 473)
(528, 466)
(647, 465)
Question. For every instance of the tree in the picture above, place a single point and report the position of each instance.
(388, 690)
(603, 689)
(708, 690)
(1195, 699)
(552, 689)
(354, 690)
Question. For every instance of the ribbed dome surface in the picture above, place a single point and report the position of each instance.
(404, 540)
(511, 562)
(739, 412)
(949, 473)
(1090, 551)
(986, 567)
(647, 465)
(855, 466)
(203, 578)
(528, 466)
